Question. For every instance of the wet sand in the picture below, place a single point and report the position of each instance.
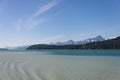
(25, 66)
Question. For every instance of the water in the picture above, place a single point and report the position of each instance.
(60, 65)
(72, 52)
(84, 52)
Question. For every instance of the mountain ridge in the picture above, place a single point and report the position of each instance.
(106, 44)
(24, 47)
(72, 42)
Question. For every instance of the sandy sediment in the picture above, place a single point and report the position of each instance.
(25, 66)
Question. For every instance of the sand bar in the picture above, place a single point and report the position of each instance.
(27, 66)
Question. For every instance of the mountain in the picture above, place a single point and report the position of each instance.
(106, 44)
(71, 42)
(96, 39)
(3, 49)
(24, 47)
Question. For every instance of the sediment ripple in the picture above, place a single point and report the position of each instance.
(20, 66)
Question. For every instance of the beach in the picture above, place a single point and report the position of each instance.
(34, 66)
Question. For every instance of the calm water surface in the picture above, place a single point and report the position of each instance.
(72, 52)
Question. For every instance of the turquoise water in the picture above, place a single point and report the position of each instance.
(86, 52)
(73, 52)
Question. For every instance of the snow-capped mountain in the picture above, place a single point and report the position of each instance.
(96, 39)
(71, 42)
(111, 38)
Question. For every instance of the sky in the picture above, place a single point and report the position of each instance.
(26, 22)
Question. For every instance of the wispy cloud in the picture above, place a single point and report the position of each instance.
(33, 21)
(49, 39)
(45, 8)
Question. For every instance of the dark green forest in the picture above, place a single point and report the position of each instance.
(107, 44)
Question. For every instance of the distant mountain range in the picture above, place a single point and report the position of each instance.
(96, 44)
(71, 42)
(24, 47)
(82, 43)
(3, 49)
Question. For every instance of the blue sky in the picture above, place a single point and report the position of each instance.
(24, 22)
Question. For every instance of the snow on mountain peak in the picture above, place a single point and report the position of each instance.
(71, 42)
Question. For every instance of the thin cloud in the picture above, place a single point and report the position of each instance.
(18, 25)
(32, 22)
(51, 38)
(28, 24)
(45, 8)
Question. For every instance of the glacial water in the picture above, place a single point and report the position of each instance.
(60, 65)
(71, 52)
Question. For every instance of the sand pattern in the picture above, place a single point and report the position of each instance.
(25, 66)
